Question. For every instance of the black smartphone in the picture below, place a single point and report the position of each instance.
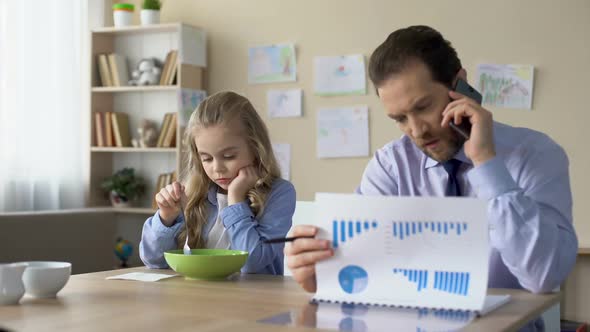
(462, 87)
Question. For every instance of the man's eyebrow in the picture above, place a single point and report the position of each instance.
(421, 100)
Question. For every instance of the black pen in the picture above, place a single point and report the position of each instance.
(287, 239)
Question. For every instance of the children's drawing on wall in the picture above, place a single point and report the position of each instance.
(284, 103)
(189, 99)
(508, 86)
(340, 75)
(282, 152)
(343, 132)
(272, 63)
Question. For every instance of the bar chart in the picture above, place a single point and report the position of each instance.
(346, 230)
(419, 277)
(406, 229)
(450, 282)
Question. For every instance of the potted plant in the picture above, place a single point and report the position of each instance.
(122, 14)
(123, 187)
(150, 12)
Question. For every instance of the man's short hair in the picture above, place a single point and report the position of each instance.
(418, 42)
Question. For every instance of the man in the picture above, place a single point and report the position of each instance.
(522, 173)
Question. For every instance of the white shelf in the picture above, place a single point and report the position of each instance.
(140, 103)
(135, 29)
(129, 149)
(131, 88)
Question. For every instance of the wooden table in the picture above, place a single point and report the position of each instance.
(91, 303)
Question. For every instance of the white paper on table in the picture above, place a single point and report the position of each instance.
(284, 103)
(282, 152)
(142, 276)
(420, 252)
(340, 75)
(509, 86)
(343, 132)
(272, 63)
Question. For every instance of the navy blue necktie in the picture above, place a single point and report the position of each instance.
(452, 166)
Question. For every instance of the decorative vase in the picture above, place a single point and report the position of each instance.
(118, 200)
(150, 16)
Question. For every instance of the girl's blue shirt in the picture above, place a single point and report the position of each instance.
(246, 232)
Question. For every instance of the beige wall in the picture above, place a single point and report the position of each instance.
(551, 35)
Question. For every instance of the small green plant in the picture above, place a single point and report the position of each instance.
(125, 184)
(152, 4)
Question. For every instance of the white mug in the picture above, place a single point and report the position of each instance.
(12, 288)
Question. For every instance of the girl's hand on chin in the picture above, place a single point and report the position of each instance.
(241, 184)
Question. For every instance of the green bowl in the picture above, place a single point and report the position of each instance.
(206, 264)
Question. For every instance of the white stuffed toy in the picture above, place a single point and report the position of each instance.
(147, 73)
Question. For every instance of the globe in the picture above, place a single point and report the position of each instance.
(123, 250)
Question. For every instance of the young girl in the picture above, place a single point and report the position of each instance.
(232, 196)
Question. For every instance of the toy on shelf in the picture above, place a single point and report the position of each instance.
(148, 135)
(147, 73)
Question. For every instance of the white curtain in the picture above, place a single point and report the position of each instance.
(43, 104)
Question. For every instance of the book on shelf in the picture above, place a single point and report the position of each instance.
(165, 68)
(170, 139)
(99, 129)
(166, 125)
(103, 70)
(170, 68)
(120, 122)
(173, 68)
(108, 120)
(118, 69)
(161, 135)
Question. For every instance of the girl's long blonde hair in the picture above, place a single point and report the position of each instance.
(221, 108)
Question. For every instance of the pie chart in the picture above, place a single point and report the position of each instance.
(353, 279)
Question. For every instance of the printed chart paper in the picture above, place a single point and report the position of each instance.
(343, 132)
(272, 63)
(404, 251)
(340, 75)
(508, 86)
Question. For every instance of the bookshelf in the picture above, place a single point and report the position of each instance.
(149, 102)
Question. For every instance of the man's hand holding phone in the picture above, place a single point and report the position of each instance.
(480, 145)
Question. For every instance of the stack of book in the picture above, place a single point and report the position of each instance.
(112, 70)
(167, 138)
(170, 69)
(163, 180)
(111, 129)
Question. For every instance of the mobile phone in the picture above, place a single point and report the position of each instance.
(462, 87)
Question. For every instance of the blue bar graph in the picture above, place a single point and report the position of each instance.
(343, 230)
(419, 277)
(452, 282)
(405, 229)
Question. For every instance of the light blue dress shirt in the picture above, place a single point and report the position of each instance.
(246, 232)
(527, 186)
